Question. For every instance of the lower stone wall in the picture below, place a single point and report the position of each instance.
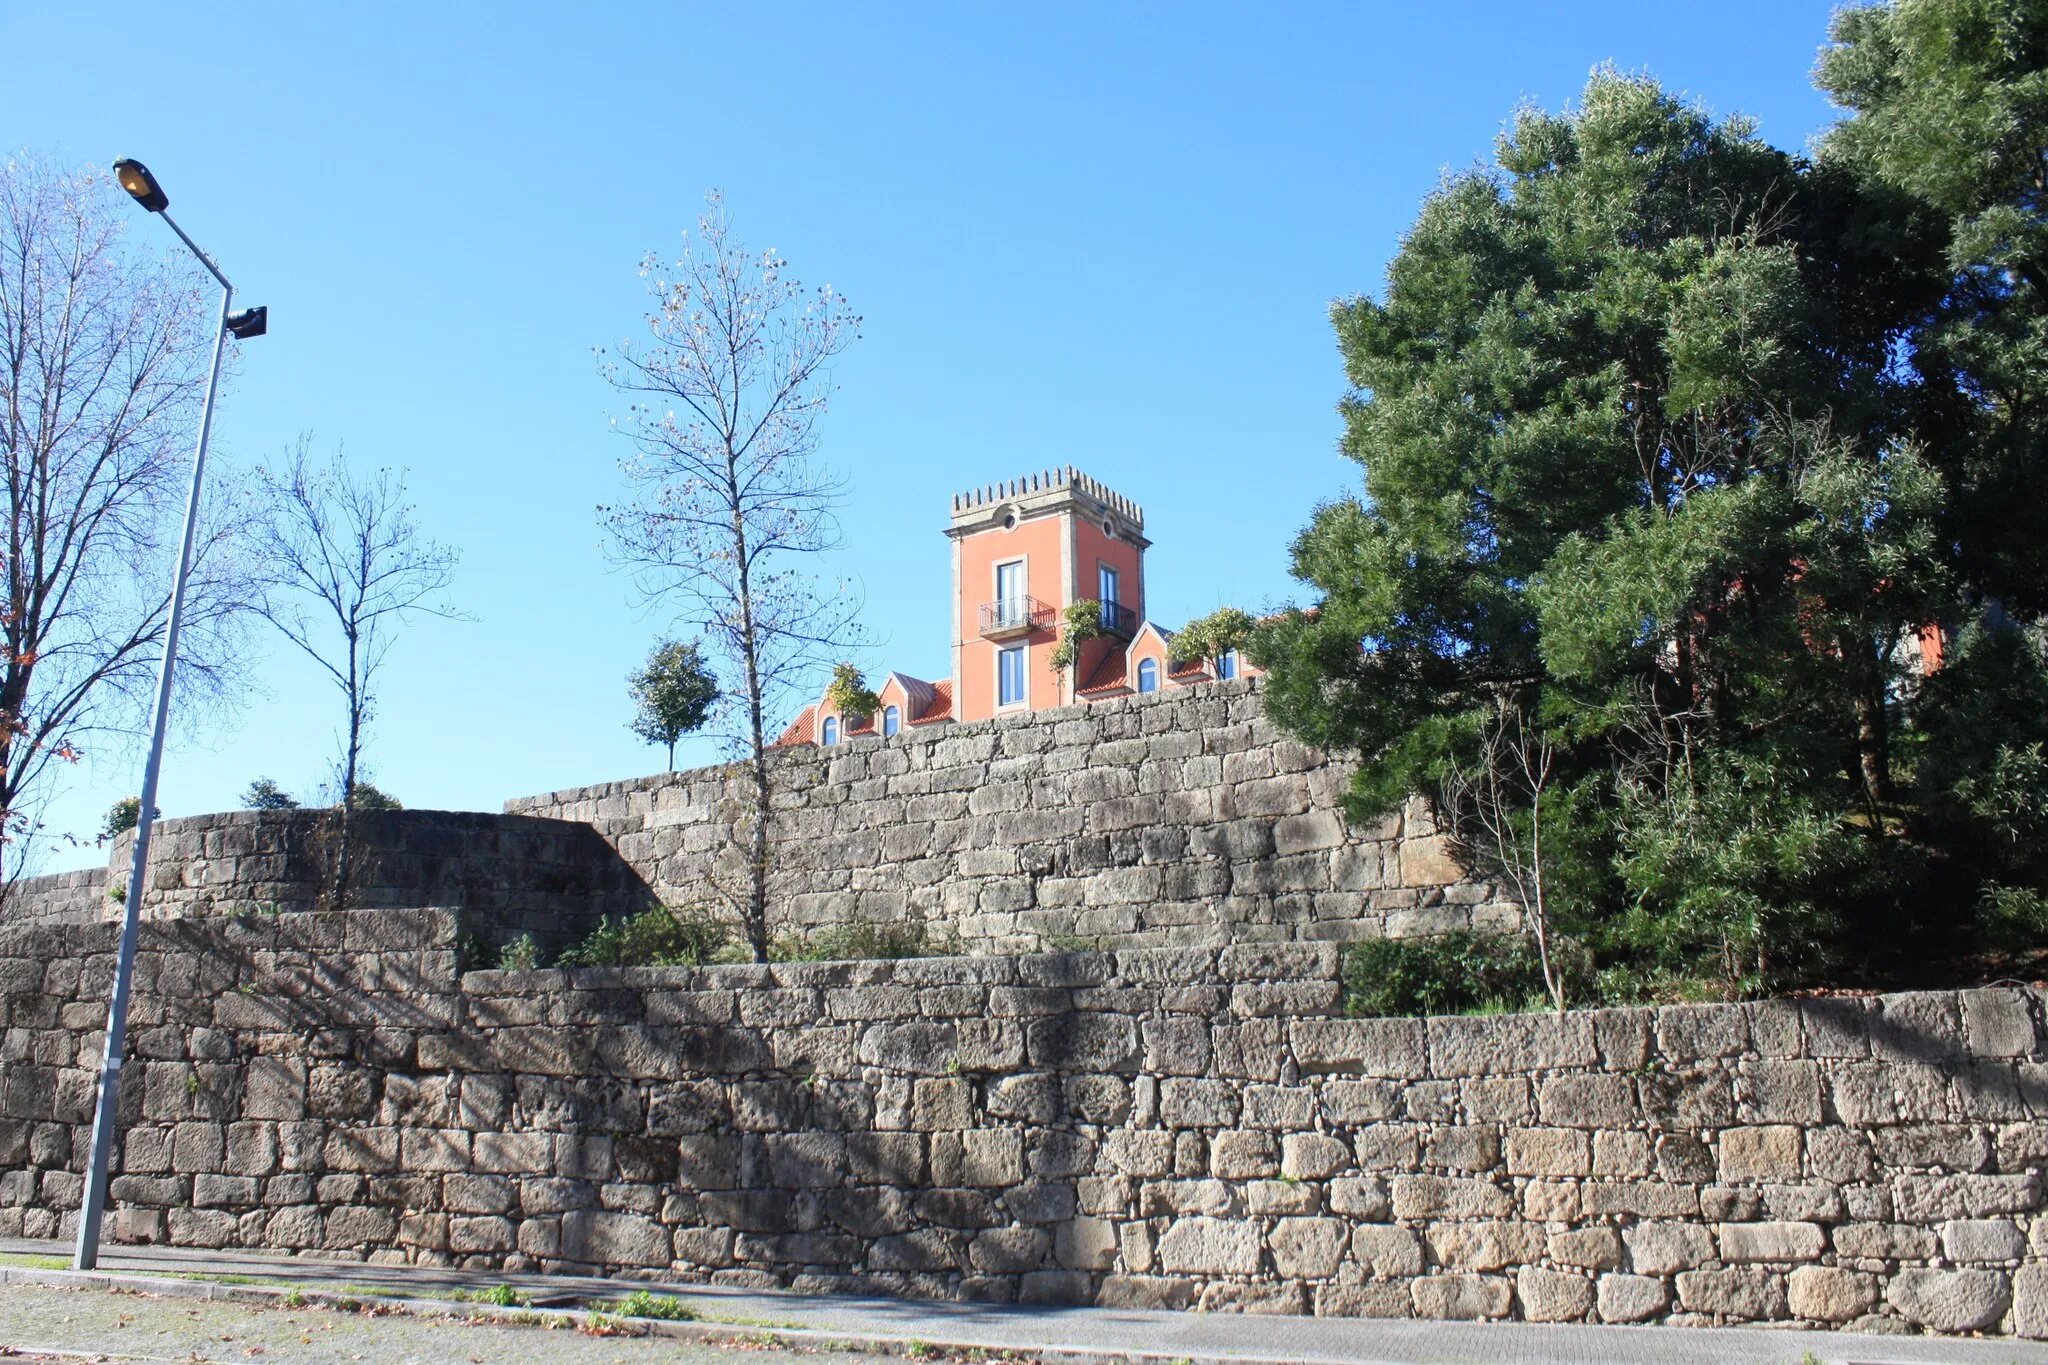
(1159, 1128)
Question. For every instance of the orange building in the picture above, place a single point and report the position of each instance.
(1023, 552)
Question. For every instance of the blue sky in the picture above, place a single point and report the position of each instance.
(1099, 235)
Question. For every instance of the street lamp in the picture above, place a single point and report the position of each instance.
(136, 179)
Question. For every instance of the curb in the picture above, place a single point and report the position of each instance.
(815, 1338)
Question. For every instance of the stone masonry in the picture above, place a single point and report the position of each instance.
(1185, 1127)
(1176, 817)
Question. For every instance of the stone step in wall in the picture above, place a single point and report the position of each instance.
(1158, 1128)
(1178, 817)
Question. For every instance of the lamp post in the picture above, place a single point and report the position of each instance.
(252, 322)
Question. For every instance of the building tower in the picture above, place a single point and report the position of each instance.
(1023, 552)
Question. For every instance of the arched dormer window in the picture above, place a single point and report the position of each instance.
(830, 734)
(1148, 675)
(892, 719)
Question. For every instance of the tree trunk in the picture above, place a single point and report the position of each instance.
(344, 861)
(756, 915)
(1873, 753)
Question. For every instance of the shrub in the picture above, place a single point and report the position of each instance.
(522, 954)
(688, 936)
(124, 815)
(1457, 973)
(264, 794)
(859, 942)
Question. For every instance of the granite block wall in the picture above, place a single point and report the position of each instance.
(60, 896)
(1181, 816)
(510, 874)
(1161, 1128)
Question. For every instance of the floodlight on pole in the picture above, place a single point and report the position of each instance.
(136, 179)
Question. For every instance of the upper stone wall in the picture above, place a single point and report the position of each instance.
(1177, 817)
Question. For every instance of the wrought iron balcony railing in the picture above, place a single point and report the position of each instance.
(1119, 620)
(1014, 616)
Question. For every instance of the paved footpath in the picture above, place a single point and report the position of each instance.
(204, 1305)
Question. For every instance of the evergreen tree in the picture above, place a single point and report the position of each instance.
(1642, 492)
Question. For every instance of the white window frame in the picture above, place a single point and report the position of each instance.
(1227, 665)
(1023, 653)
(1023, 564)
(1144, 664)
(828, 733)
(892, 719)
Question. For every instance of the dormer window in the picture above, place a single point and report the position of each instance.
(892, 720)
(1226, 665)
(1148, 675)
(830, 734)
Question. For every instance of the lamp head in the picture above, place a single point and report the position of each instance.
(249, 323)
(136, 179)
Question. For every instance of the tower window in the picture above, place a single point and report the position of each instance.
(1148, 675)
(830, 734)
(1010, 677)
(892, 720)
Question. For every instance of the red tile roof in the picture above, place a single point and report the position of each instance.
(941, 706)
(1109, 676)
(802, 730)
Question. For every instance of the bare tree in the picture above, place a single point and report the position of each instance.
(103, 355)
(728, 388)
(343, 564)
(1496, 808)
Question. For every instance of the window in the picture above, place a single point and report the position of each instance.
(830, 734)
(1010, 593)
(1010, 677)
(1107, 581)
(1226, 665)
(1148, 675)
(892, 719)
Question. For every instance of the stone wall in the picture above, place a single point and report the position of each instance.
(60, 896)
(1182, 816)
(1167, 1127)
(510, 874)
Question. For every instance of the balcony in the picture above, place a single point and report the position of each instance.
(1014, 618)
(1119, 620)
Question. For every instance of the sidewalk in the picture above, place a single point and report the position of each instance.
(893, 1326)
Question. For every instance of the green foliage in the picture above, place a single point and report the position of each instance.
(123, 816)
(1079, 623)
(522, 954)
(661, 936)
(849, 694)
(264, 794)
(673, 693)
(643, 1304)
(364, 796)
(1456, 973)
(1666, 436)
(1213, 636)
(1947, 109)
(860, 942)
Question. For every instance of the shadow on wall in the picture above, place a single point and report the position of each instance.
(509, 874)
